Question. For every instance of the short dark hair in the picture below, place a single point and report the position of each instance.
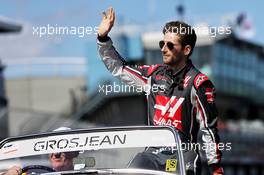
(184, 31)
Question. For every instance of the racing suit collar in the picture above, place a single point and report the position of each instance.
(175, 71)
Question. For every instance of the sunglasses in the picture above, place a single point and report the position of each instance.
(66, 154)
(169, 44)
(57, 155)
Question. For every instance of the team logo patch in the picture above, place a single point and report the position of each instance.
(168, 111)
(209, 92)
(199, 79)
(161, 77)
(171, 165)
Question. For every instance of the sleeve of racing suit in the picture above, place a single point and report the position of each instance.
(131, 75)
(206, 115)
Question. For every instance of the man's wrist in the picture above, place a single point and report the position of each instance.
(103, 38)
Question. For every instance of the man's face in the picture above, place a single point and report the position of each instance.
(175, 55)
(60, 162)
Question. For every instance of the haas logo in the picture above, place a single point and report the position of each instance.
(168, 111)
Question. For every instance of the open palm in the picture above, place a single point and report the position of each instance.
(107, 22)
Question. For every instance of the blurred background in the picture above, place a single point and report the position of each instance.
(51, 77)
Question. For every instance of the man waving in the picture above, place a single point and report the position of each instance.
(185, 97)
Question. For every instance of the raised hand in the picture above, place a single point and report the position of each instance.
(107, 22)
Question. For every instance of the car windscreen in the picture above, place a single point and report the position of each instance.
(99, 149)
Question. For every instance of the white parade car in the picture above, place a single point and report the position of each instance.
(91, 151)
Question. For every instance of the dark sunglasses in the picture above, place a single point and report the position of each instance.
(57, 155)
(67, 154)
(169, 44)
